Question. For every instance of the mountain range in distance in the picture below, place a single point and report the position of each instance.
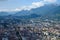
(48, 11)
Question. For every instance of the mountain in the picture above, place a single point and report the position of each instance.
(53, 13)
(48, 11)
(39, 10)
(21, 13)
(3, 14)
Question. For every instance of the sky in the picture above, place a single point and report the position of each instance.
(17, 5)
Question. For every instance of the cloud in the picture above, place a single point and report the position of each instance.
(33, 5)
(36, 4)
(3, 10)
(50, 1)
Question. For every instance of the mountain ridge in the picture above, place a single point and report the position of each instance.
(48, 11)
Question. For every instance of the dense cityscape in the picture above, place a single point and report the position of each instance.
(29, 29)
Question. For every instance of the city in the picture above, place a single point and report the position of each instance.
(29, 19)
(29, 29)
